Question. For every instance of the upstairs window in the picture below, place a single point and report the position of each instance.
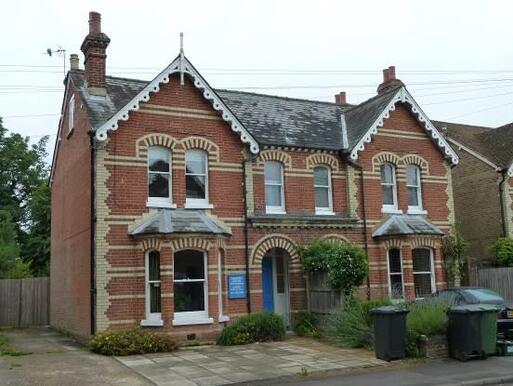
(323, 193)
(196, 177)
(413, 185)
(274, 195)
(388, 187)
(423, 272)
(159, 177)
(71, 113)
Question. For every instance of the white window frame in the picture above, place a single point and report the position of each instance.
(389, 274)
(193, 317)
(415, 209)
(71, 113)
(153, 319)
(329, 209)
(431, 272)
(387, 208)
(197, 203)
(273, 209)
(160, 202)
(220, 276)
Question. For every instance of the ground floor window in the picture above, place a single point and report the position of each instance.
(423, 272)
(190, 285)
(152, 282)
(395, 274)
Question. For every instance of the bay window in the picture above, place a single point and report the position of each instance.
(423, 272)
(395, 274)
(152, 290)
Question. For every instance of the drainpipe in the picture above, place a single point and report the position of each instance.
(501, 200)
(246, 237)
(365, 233)
(93, 232)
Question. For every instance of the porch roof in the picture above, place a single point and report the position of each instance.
(405, 224)
(172, 221)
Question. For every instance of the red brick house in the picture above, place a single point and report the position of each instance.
(168, 197)
(484, 211)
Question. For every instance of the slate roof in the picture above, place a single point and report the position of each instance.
(172, 221)
(495, 144)
(405, 225)
(271, 120)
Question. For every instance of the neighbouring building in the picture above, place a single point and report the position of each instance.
(179, 207)
(483, 188)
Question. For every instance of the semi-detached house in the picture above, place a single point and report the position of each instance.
(179, 207)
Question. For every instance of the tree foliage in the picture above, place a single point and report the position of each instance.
(503, 248)
(455, 248)
(25, 201)
(345, 264)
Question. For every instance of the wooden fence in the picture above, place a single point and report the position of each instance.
(497, 279)
(24, 302)
(322, 299)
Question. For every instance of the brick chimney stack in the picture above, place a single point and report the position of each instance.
(94, 48)
(340, 98)
(389, 80)
(73, 62)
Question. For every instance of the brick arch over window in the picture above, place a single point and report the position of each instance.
(392, 243)
(275, 155)
(385, 157)
(190, 243)
(322, 159)
(414, 159)
(203, 144)
(425, 242)
(267, 243)
(149, 140)
(335, 239)
(151, 245)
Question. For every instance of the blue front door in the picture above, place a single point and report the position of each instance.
(267, 283)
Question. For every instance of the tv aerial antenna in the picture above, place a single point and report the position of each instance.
(60, 52)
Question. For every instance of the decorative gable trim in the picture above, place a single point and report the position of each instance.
(404, 96)
(179, 66)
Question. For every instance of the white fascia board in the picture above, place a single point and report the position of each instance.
(179, 66)
(402, 95)
(473, 153)
(345, 142)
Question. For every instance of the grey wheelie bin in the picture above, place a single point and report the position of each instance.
(389, 332)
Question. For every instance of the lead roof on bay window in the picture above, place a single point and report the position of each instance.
(404, 224)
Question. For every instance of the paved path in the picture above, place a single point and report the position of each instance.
(216, 365)
(58, 360)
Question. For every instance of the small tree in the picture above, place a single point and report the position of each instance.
(455, 248)
(503, 249)
(345, 264)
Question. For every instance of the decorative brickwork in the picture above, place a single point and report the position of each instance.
(385, 157)
(203, 144)
(421, 242)
(392, 243)
(267, 243)
(151, 244)
(335, 238)
(190, 243)
(321, 159)
(156, 139)
(415, 159)
(275, 155)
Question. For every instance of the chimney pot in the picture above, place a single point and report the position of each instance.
(73, 61)
(340, 98)
(386, 75)
(95, 22)
(391, 73)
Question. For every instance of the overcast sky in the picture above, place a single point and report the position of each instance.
(455, 57)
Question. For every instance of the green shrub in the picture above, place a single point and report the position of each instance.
(426, 317)
(304, 324)
(503, 248)
(131, 342)
(257, 327)
(346, 264)
(352, 324)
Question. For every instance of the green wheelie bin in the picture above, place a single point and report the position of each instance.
(489, 328)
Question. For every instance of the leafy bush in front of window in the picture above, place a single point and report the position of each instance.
(503, 248)
(257, 327)
(427, 317)
(345, 264)
(304, 324)
(131, 342)
(352, 325)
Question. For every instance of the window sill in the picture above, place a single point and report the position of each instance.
(162, 204)
(275, 211)
(194, 205)
(152, 323)
(324, 212)
(417, 211)
(189, 322)
(224, 318)
(391, 211)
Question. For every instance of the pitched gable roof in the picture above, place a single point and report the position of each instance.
(264, 119)
(496, 145)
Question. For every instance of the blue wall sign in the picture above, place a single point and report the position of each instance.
(236, 286)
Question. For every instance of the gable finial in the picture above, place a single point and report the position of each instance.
(181, 60)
